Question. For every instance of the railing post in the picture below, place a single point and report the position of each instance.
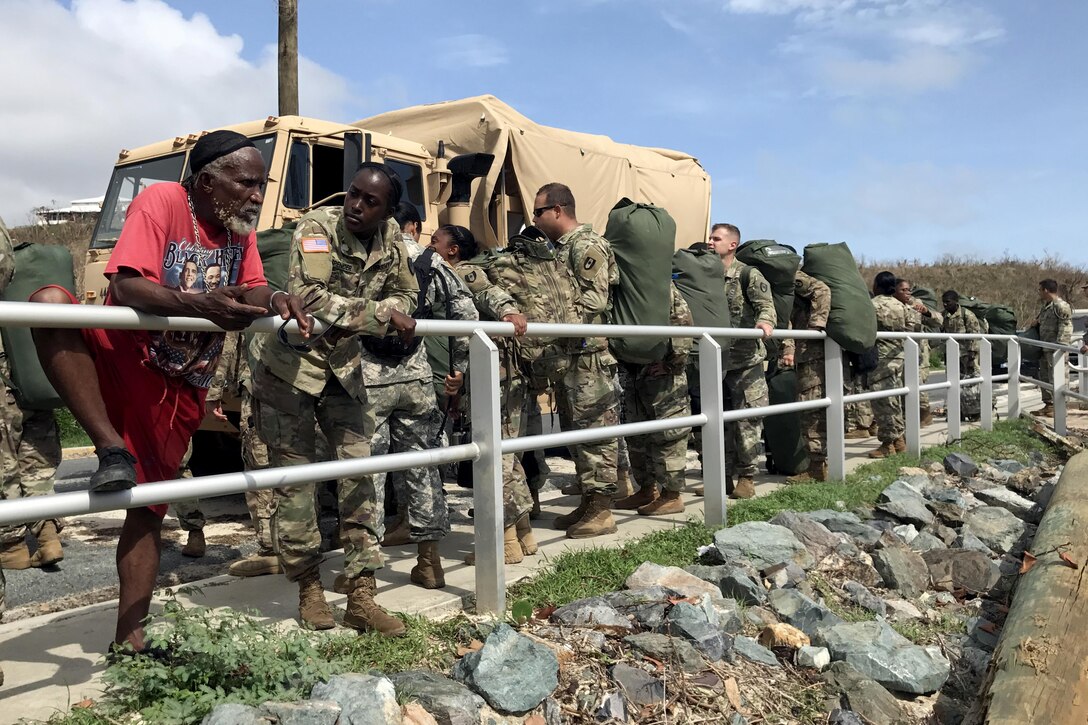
(1061, 373)
(834, 389)
(487, 475)
(1012, 411)
(986, 390)
(912, 416)
(712, 404)
(952, 403)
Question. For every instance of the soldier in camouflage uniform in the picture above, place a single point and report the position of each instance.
(920, 319)
(351, 268)
(585, 391)
(656, 391)
(811, 308)
(1055, 323)
(960, 320)
(30, 451)
(891, 316)
(751, 304)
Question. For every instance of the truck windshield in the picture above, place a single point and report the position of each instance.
(127, 182)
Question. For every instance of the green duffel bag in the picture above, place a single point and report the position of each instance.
(274, 246)
(36, 265)
(928, 298)
(700, 278)
(778, 263)
(786, 451)
(642, 237)
(994, 319)
(852, 323)
(1030, 353)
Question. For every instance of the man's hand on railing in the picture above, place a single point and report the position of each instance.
(224, 307)
(519, 321)
(403, 324)
(767, 329)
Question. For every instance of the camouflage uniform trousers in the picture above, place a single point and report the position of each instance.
(744, 388)
(1046, 373)
(190, 516)
(888, 412)
(656, 458)
(970, 395)
(586, 397)
(923, 375)
(254, 458)
(282, 413)
(623, 456)
(858, 415)
(532, 424)
(407, 419)
(695, 439)
(30, 452)
(810, 386)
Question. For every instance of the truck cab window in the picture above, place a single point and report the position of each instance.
(411, 177)
(126, 183)
(314, 172)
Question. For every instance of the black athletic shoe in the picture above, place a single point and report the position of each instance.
(116, 470)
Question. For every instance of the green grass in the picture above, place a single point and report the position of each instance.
(925, 632)
(71, 433)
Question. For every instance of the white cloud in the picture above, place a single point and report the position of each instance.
(471, 50)
(82, 83)
(914, 71)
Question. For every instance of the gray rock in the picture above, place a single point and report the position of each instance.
(960, 464)
(818, 658)
(977, 484)
(797, 610)
(1043, 496)
(1014, 503)
(235, 714)
(864, 598)
(750, 649)
(705, 637)
(649, 574)
(847, 523)
(728, 615)
(450, 702)
(819, 540)
(362, 699)
(760, 617)
(844, 717)
(613, 708)
(967, 540)
(1007, 465)
(979, 637)
(763, 544)
(877, 651)
(647, 605)
(900, 609)
(553, 712)
(593, 612)
(713, 574)
(942, 532)
(512, 672)
(946, 494)
(948, 514)
(997, 528)
(905, 504)
(986, 470)
(903, 570)
(313, 712)
(975, 661)
(684, 612)
(951, 569)
(667, 649)
(926, 541)
(784, 575)
(864, 696)
(740, 585)
(638, 686)
(906, 532)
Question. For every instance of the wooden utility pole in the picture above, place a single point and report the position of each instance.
(288, 58)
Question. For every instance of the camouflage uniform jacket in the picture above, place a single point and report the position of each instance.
(891, 316)
(746, 308)
(347, 283)
(1056, 322)
(7, 257)
(811, 308)
(448, 286)
(676, 359)
(589, 257)
(963, 321)
(919, 322)
(228, 374)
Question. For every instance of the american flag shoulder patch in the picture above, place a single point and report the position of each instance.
(315, 244)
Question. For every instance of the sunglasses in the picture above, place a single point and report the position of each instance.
(281, 332)
(541, 210)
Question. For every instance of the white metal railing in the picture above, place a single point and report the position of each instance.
(487, 444)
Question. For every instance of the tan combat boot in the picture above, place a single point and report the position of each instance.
(669, 503)
(597, 520)
(49, 549)
(857, 434)
(644, 496)
(817, 471)
(567, 520)
(512, 552)
(256, 565)
(365, 615)
(427, 572)
(15, 555)
(624, 485)
(342, 585)
(313, 610)
(534, 513)
(525, 537)
(745, 488)
(1046, 411)
(885, 450)
(900, 444)
(195, 546)
(400, 534)
(927, 417)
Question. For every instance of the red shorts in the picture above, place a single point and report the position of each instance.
(155, 414)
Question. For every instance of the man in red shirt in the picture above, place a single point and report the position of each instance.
(147, 399)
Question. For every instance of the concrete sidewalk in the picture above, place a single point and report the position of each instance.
(53, 661)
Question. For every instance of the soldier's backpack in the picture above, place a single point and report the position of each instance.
(699, 276)
(786, 452)
(996, 320)
(928, 298)
(274, 246)
(543, 287)
(642, 237)
(779, 264)
(36, 265)
(852, 323)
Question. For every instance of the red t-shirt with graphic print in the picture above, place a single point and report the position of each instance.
(157, 242)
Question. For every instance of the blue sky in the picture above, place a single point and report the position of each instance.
(908, 128)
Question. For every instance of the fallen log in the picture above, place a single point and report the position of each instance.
(1039, 671)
